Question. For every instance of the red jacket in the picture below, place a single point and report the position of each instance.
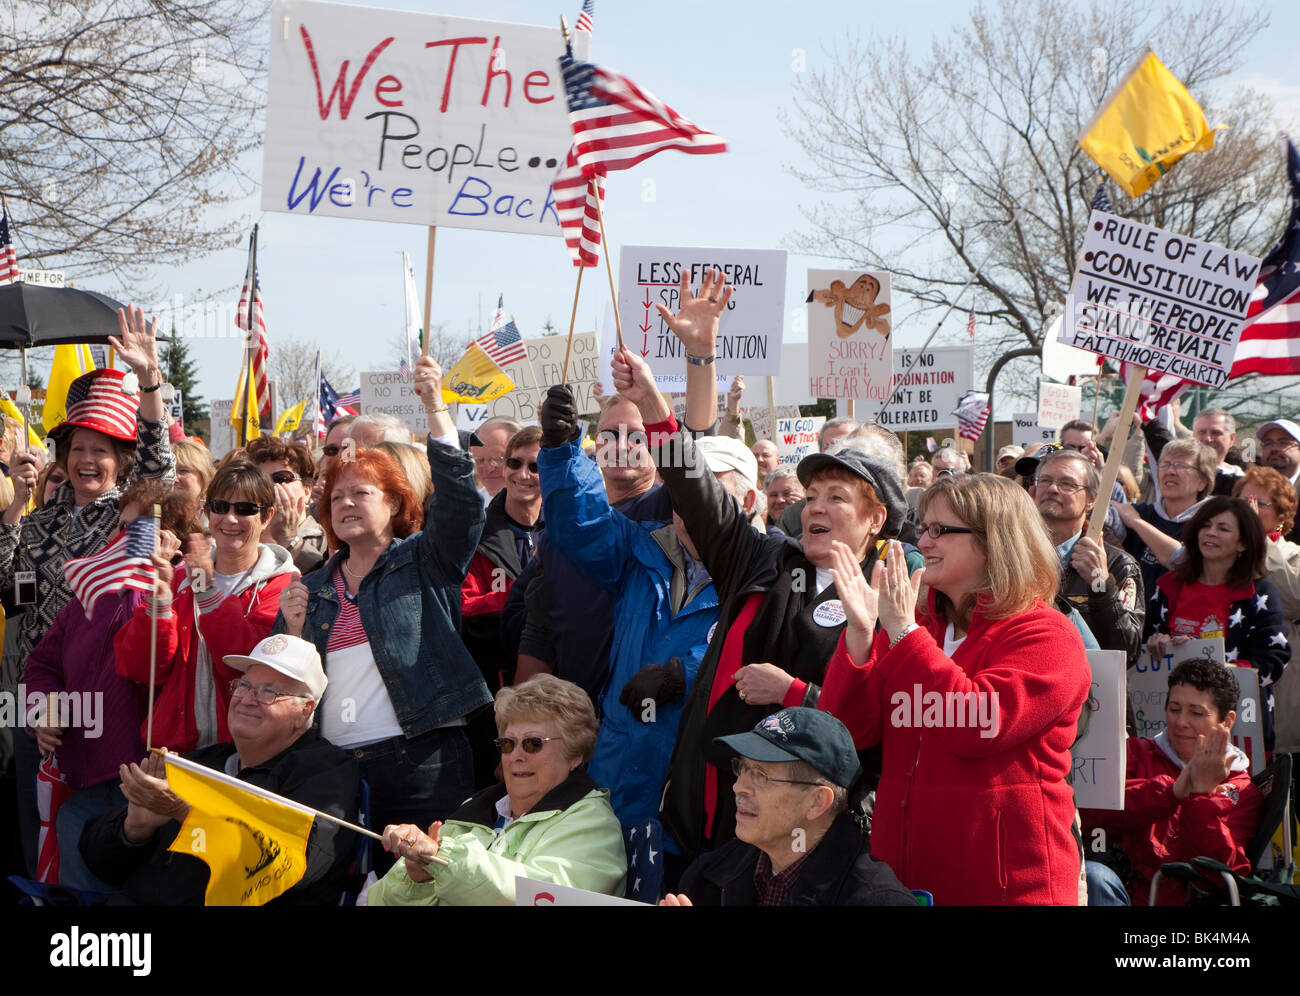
(233, 625)
(1155, 828)
(974, 819)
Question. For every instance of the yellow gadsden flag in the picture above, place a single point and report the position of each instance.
(70, 362)
(475, 379)
(1145, 125)
(290, 419)
(254, 841)
(10, 409)
(243, 414)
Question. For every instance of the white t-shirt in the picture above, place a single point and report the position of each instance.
(951, 641)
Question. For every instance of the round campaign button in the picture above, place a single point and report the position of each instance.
(829, 613)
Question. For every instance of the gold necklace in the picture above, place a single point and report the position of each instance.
(355, 577)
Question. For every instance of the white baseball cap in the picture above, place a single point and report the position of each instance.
(728, 453)
(291, 656)
(1285, 424)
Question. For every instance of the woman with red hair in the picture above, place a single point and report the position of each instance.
(384, 612)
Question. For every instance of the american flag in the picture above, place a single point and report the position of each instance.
(1270, 336)
(8, 260)
(347, 404)
(972, 413)
(970, 326)
(259, 356)
(504, 345)
(404, 369)
(124, 563)
(615, 125)
(584, 18)
(1101, 200)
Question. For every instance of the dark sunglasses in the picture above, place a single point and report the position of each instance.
(514, 463)
(283, 477)
(219, 506)
(532, 745)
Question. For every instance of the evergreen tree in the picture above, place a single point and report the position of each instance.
(180, 371)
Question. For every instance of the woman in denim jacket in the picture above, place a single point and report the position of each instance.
(384, 612)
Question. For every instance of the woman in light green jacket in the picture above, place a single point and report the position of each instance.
(548, 821)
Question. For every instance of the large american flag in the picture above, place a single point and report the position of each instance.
(1270, 336)
(972, 413)
(505, 345)
(8, 260)
(616, 124)
(259, 355)
(124, 563)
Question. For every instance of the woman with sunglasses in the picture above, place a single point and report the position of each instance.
(384, 612)
(221, 600)
(974, 699)
(545, 820)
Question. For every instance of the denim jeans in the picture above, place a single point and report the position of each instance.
(78, 810)
(1104, 886)
(420, 780)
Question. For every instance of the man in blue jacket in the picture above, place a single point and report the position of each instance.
(665, 606)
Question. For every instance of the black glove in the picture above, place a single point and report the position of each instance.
(661, 682)
(558, 417)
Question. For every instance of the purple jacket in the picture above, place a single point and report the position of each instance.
(76, 655)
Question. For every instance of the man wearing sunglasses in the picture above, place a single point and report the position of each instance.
(796, 842)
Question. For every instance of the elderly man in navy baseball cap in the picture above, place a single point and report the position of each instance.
(797, 842)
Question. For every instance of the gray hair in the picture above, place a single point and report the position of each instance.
(1228, 420)
(502, 422)
(393, 428)
(782, 472)
(875, 440)
(834, 423)
(1091, 478)
(950, 453)
(802, 771)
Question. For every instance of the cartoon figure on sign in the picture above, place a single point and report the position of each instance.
(855, 306)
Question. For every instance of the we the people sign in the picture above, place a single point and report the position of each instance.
(1158, 299)
(417, 118)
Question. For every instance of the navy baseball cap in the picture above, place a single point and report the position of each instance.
(875, 471)
(799, 734)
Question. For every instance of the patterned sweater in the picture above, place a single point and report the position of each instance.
(56, 533)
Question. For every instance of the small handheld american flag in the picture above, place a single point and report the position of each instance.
(124, 563)
(972, 413)
(505, 345)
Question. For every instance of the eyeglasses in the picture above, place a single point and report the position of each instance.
(761, 779)
(1260, 502)
(514, 463)
(1178, 468)
(266, 695)
(1278, 443)
(934, 530)
(219, 506)
(284, 477)
(1065, 487)
(495, 461)
(532, 745)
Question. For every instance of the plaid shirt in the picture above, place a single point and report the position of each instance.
(57, 532)
(774, 890)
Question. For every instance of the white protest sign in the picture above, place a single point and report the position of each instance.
(531, 892)
(1061, 362)
(1057, 404)
(791, 386)
(850, 353)
(1148, 690)
(669, 380)
(927, 387)
(542, 367)
(417, 118)
(749, 331)
(1157, 299)
(1025, 430)
(387, 391)
(42, 278)
(761, 424)
(797, 437)
(175, 409)
(1099, 757)
(220, 432)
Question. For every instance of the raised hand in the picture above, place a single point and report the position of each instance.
(290, 512)
(633, 380)
(898, 593)
(735, 393)
(859, 600)
(137, 345)
(696, 322)
(558, 417)
(427, 381)
(293, 606)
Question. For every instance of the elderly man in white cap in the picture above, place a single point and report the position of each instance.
(1279, 445)
(276, 746)
(665, 605)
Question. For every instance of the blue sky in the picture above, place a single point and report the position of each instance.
(727, 67)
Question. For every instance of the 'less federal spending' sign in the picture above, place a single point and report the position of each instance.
(1159, 300)
(415, 118)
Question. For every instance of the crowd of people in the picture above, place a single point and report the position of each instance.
(852, 681)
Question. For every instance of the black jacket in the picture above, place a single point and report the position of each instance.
(1116, 613)
(839, 871)
(311, 771)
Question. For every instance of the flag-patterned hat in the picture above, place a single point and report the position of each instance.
(97, 400)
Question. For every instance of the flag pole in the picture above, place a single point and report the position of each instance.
(316, 813)
(1132, 394)
(609, 268)
(573, 315)
(153, 634)
(248, 341)
(428, 291)
(771, 406)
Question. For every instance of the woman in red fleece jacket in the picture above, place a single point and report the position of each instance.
(975, 707)
(229, 611)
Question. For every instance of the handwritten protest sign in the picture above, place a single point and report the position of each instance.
(761, 423)
(850, 352)
(387, 391)
(416, 118)
(797, 437)
(1098, 757)
(531, 892)
(927, 387)
(543, 366)
(1159, 300)
(750, 330)
(1148, 690)
(1058, 404)
(668, 379)
(1025, 430)
(221, 433)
